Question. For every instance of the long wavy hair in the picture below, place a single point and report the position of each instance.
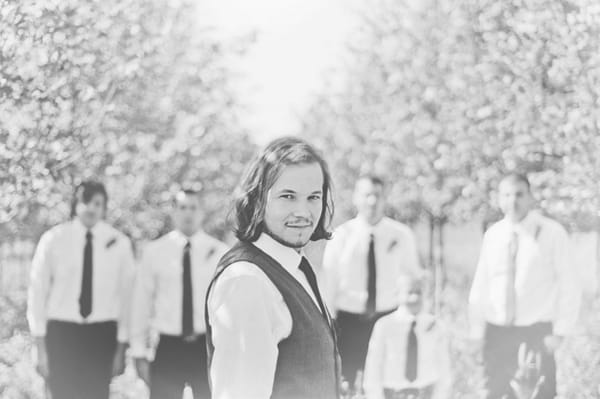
(251, 198)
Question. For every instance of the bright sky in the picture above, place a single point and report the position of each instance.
(297, 42)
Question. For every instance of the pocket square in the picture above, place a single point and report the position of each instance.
(392, 245)
(111, 242)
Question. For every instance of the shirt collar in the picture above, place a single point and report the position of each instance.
(367, 227)
(81, 229)
(181, 239)
(524, 226)
(285, 256)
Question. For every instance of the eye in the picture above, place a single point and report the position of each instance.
(315, 197)
(287, 196)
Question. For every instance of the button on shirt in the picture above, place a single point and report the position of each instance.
(546, 286)
(345, 268)
(158, 297)
(386, 358)
(56, 275)
(248, 319)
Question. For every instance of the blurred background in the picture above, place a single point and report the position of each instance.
(441, 97)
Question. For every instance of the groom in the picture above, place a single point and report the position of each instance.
(269, 334)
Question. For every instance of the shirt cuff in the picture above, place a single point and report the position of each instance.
(38, 329)
(477, 331)
(122, 335)
(138, 350)
(562, 329)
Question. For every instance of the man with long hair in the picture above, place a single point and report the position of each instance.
(269, 333)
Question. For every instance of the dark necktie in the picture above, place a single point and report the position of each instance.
(312, 281)
(371, 278)
(85, 297)
(511, 295)
(187, 320)
(412, 354)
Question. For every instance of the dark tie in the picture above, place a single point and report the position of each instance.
(412, 354)
(187, 320)
(511, 295)
(312, 281)
(85, 297)
(371, 279)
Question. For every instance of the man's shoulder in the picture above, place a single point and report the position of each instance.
(241, 278)
(56, 231)
(215, 245)
(495, 228)
(552, 225)
(112, 232)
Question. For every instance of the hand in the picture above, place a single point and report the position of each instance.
(474, 349)
(528, 380)
(41, 357)
(118, 366)
(142, 366)
(552, 342)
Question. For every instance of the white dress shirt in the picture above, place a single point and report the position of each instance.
(56, 274)
(345, 267)
(248, 319)
(546, 286)
(158, 295)
(386, 358)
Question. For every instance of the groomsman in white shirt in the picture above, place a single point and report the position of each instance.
(169, 301)
(524, 290)
(408, 354)
(79, 295)
(269, 333)
(363, 264)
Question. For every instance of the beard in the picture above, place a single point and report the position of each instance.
(299, 244)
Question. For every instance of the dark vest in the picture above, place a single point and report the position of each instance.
(308, 361)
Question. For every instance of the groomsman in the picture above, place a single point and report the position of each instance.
(363, 265)
(169, 301)
(408, 354)
(524, 290)
(78, 301)
(269, 333)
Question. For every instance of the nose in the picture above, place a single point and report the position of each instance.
(371, 200)
(302, 209)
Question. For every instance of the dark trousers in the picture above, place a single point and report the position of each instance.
(177, 363)
(354, 332)
(500, 356)
(80, 358)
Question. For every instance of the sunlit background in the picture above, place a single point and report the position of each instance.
(441, 97)
(296, 44)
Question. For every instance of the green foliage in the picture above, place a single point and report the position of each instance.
(444, 96)
(129, 92)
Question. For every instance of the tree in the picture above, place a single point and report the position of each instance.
(129, 92)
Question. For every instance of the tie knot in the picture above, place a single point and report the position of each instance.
(187, 246)
(88, 235)
(413, 324)
(304, 264)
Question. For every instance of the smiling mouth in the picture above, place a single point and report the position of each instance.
(298, 226)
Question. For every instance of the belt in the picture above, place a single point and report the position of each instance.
(408, 393)
(187, 338)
